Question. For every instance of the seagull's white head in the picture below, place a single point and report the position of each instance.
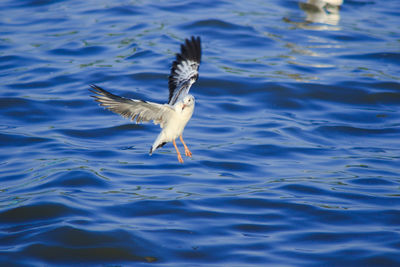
(187, 102)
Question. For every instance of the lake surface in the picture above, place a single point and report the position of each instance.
(295, 135)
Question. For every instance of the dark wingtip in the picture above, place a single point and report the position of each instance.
(100, 91)
(190, 50)
(95, 89)
(93, 86)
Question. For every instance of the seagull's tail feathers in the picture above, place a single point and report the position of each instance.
(152, 149)
(158, 143)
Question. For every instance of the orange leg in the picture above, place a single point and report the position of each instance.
(177, 152)
(187, 151)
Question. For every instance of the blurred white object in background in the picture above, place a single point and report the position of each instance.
(322, 11)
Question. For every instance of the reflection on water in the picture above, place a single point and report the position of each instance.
(321, 15)
(320, 12)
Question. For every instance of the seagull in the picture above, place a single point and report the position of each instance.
(173, 116)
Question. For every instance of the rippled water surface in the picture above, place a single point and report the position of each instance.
(295, 135)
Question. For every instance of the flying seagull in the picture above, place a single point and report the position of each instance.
(171, 117)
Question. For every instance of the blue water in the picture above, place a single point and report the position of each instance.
(295, 135)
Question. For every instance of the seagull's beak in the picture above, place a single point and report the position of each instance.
(183, 106)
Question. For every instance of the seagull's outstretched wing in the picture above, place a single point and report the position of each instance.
(130, 108)
(184, 71)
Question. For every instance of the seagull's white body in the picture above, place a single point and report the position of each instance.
(174, 126)
(173, 116)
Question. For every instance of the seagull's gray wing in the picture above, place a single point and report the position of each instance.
(184, 71)
(131, 108)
